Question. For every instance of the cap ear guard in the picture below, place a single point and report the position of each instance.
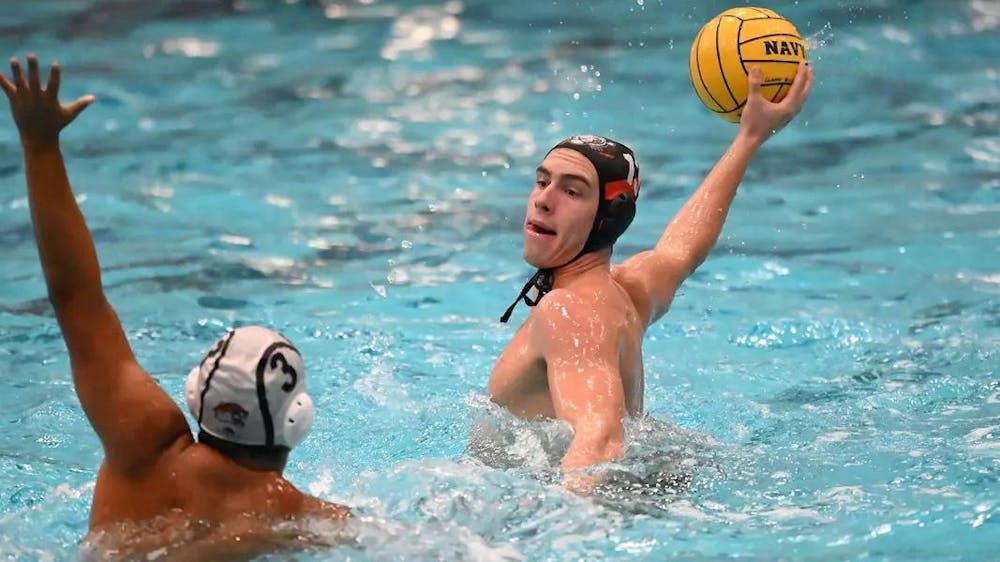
(192, 394)
(297, 420)
(613, 219)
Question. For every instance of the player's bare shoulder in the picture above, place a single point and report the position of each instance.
(633, 277)
(561, 308)
(585, 310)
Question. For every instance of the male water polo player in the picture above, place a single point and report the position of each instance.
(248, 394)
(578, 356)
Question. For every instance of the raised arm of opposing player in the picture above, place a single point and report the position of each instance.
(119, 398)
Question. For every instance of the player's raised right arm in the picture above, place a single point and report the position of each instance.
(119, 398)
(652, 277)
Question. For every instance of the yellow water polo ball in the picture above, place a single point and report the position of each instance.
(733, 42)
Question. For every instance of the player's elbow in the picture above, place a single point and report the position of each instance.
(65, 296)
(61, 295)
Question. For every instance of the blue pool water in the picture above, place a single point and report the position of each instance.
(354, 173)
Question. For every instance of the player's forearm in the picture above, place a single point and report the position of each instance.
(593, 445)
(694, 230)
(65, 247)
(587, 449)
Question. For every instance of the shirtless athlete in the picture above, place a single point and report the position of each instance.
(248, 394)
(578, 356)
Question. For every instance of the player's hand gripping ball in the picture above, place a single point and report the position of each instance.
(733, 42)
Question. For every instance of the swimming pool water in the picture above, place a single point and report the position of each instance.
(354, 174)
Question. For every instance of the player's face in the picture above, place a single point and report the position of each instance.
(561, 209)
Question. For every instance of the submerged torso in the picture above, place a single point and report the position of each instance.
(194, 498)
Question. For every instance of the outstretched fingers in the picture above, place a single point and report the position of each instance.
(33, 82)
(8, 87)
(79, 105)
(17, 74)
(55, 79)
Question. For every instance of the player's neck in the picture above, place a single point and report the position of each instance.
(257, 459)
(586, 265)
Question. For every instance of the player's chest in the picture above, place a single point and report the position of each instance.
(519, 368)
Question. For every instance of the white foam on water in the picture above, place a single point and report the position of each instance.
(787, 513)
(833, 437)
(981, 432)
(844, 495)
(65, 491)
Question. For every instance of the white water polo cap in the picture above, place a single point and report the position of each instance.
(250, 389)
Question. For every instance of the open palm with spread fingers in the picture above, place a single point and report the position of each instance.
(37, 112)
